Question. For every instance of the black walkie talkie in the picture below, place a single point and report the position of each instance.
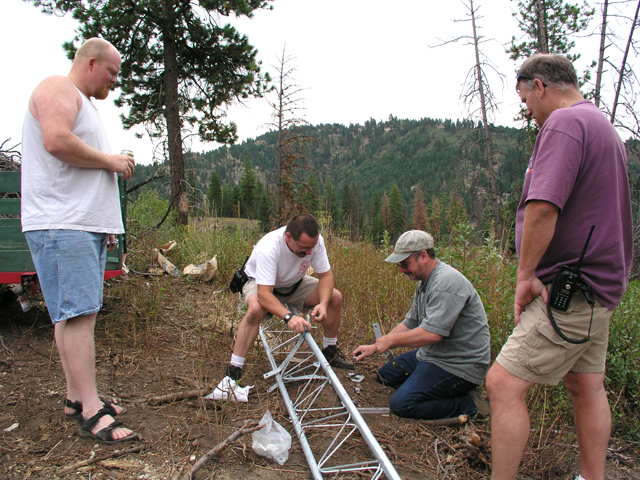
(564, 285)
(568, 281)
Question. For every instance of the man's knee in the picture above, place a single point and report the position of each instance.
(336, 299)
(502, 384)
(255, 311)
(584, 384)
(401, 406)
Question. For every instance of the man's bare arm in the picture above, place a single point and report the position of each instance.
(539, 226)
(55, 104)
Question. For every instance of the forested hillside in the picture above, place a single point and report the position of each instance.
(360, 164)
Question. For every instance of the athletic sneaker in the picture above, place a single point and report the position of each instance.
(336, 358)
(484, 410)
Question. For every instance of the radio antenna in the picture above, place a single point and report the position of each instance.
(584, 250)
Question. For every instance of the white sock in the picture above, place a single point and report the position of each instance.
(327, 342)
(580, 477)
(237, 361)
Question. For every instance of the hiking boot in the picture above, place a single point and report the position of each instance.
(336, 358)
(235, 373)
(484, 410)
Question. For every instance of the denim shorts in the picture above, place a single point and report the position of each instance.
(70, 266)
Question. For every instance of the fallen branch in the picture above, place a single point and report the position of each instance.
(249, 426)
(93, 460)
(447, 422)
(172, 397)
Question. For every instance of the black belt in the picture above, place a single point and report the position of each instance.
(290, 292)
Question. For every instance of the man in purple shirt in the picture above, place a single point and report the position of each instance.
(577, 177)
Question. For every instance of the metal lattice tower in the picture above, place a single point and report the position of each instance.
(319, 406)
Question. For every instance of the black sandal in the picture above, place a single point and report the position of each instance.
(106, 434)
(77, 406)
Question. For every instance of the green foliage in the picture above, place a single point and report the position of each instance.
(396, 212)
(141, 30)
(146, 212)
(310, 201)
(231, 244)
(623, 361)
(143, 216)
(265, 212)
(249, 193)
(214, 195)
(561, 21)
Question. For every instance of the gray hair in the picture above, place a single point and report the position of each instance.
(551, 69)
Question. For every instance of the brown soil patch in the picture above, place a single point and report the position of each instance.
(160, 336)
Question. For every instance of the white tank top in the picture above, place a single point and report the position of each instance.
(57, 196)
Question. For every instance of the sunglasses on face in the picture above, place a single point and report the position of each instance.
(519, 77)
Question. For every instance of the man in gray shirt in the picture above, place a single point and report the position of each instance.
(448, 325)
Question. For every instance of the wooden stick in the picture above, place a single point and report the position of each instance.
(249, 426)
(93, 460)
(447, 422)
(172, 397)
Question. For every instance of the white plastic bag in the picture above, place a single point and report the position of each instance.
(272, 441)
(229, 389)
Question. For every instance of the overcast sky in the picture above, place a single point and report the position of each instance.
(356, 60)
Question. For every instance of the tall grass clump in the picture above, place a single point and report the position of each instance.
(197, 243)
(490, 271)
(372, 290)
(623, 364)
(230, 242)
(143, 217)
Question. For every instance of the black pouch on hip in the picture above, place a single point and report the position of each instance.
(239, 279)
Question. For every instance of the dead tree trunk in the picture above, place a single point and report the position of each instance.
(623, 67)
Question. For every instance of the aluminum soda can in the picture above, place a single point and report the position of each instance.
(128, 153)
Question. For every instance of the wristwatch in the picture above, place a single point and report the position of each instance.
(287, 317)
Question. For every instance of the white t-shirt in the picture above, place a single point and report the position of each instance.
(272, 263)
(58, 196)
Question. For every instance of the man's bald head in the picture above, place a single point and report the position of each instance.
(97, 48)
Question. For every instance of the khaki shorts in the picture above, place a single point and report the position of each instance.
(308, 285)
(536, 353)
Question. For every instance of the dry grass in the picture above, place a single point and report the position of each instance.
(164, 335)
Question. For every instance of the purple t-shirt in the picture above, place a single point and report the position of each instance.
(579, 164)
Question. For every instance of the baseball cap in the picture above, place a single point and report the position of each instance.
(410, 242)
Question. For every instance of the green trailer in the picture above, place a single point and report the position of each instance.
(16, 266)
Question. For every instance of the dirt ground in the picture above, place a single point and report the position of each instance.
(158, 336)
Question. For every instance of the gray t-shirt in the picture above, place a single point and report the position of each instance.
(447, 304)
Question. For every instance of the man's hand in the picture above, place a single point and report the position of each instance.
(297, 324)
(364, 351)
(111, 242)
(123, 165)
(527, 289)
(319, 312)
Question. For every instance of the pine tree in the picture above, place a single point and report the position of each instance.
(180, 65)
(227, 200)
(396, 211)
(265, 211)
(214, 195)
(329, 203)
(248, 190)
(548, 26)
(376, 230)
(310, 196)
(419, 209)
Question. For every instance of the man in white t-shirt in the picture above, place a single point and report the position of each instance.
(276, 271)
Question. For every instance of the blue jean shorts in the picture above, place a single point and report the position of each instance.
(70, 266)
